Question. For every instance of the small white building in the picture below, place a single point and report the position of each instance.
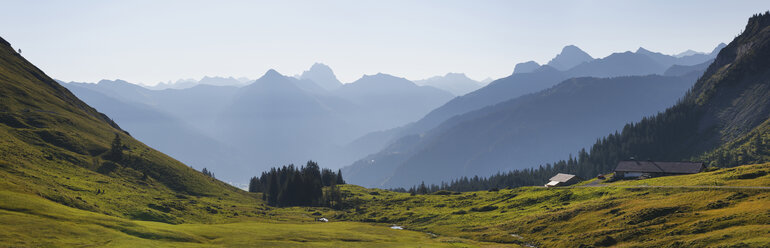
(562, 179)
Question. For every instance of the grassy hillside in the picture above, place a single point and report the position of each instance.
(626, 213)
(54, 146)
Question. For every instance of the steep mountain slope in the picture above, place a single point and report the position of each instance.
(54, 146)
(528, 130)
(455, 83)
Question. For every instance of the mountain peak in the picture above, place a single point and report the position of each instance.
(455, 75)
(525, 67)
(570, 49)
(569, 57)
(322, 75)
(320, 67)
(271, 75)
(641, 50)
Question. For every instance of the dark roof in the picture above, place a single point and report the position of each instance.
(664, 167)
(561, 177)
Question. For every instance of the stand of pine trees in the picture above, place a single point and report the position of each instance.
(299, 186)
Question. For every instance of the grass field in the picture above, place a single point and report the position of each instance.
(599, 216)
(30, 221)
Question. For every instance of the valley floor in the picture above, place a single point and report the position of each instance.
(33, 222)
(723, 208)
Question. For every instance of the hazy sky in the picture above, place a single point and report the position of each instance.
(152, 41)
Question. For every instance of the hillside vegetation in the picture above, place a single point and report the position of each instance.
(54, 146)
(625, 213)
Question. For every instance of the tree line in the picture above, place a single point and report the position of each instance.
(299, 186)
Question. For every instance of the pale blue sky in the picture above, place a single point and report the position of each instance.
(152, 41)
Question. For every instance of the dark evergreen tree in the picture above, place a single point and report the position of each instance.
(116, 149)
(339, 178)
(255, 185)
(207, 173)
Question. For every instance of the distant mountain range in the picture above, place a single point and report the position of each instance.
(455, 83)
(273, 121)
(189, 83)
(233, 128)
(403, 140)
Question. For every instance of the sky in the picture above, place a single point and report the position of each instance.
(148, 42)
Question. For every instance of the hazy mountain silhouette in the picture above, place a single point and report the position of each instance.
(526, 67)
(617, 64)
(518, 84)
(161, 131)
(687, 53)
(275, 120)
(198, 106)
(679, 70)
(455, 83)
(570, 56)
(322, 75)
(189, 83)
(522, 132)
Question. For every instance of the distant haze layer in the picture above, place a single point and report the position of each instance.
(156, 41)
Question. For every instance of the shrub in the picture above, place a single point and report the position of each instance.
(459, 212)
(484, 208)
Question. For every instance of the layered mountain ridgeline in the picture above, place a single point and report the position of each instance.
(275, 120)
(212, 81)
(719, 121)
(162, 130)
(280, 120)
(728, 103)
(529, 130)
(56, 147)
(535, 78)
(455, 83)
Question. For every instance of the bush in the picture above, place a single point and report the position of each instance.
(459, 212)
(484, 208)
